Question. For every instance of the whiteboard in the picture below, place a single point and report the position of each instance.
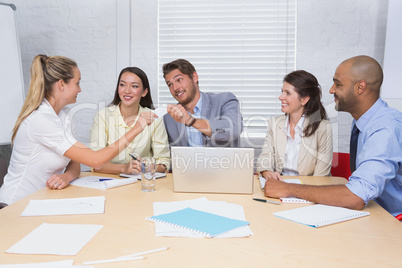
(390, 90)
(12, 92)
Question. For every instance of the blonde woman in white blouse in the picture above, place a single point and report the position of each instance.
(300, 141)
(132, 97)
(45, 153)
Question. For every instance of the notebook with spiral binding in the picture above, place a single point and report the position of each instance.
(207, 224)
(320, 215)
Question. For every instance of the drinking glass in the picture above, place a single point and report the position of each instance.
(148, 169)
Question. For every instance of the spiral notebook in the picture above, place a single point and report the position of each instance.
(292, 200)
(320, 215)
(207, 224)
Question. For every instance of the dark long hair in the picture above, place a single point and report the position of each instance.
(306, 85)
(145, 101)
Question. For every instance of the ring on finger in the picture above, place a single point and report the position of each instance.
(57, 184)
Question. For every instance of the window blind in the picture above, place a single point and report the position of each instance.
(244, 47)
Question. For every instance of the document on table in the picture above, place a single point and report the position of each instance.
(56, 239)
(286, 199)
(320, 215)
(262, 181)
(52, 264)
(222, 208)
(66, 206)
(102, 183)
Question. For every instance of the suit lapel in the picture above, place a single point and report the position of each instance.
(282, 137)
(205, 111)
(182, 134)
(304, 144)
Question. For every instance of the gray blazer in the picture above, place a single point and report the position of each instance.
(223, 113)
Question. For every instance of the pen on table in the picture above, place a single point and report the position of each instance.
(268, 201)
(103, 180)
(135, 256)
(143, 253)
(114, 260)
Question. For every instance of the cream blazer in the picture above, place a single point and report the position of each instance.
(315, 154)
(108, 126)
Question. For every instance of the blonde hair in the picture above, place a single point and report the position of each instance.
(45, 72)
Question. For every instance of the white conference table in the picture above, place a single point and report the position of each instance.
(373, 241)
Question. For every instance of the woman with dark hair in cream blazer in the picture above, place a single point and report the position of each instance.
(300, 141)
(131, 97)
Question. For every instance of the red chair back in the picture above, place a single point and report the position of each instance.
(340, 165)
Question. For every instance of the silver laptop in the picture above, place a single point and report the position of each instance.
(213, 170)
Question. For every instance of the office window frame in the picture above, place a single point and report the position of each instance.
(244, 47)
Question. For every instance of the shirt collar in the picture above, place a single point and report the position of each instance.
(366, 117)
(116, 112)
(49, 107)
(298, 128)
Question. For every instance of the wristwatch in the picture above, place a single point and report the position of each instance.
(193, 119)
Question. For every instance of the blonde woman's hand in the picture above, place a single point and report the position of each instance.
(57, 182)
(146, 118)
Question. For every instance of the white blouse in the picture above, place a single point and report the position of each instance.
(38, 152)
(292, 148)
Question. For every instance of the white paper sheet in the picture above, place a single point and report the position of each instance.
(262, 181)
(221, 208)
(161, 111)
(67, 206)
(52, 264)
(286, 199)
(56, 239)
(58, 264)
(102, 183)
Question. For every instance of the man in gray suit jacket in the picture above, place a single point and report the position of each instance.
(199, 119)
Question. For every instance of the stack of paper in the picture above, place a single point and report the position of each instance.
(220, 208)
(204, 223)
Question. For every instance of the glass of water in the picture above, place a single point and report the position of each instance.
(148, 169)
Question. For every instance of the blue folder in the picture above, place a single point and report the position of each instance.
(204, 223)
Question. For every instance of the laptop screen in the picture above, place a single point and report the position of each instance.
(213, 169)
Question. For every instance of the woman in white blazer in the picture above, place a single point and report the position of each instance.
(300, 141)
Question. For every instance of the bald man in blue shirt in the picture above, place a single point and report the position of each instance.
(378, 161)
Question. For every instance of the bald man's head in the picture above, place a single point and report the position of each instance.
(367, 69)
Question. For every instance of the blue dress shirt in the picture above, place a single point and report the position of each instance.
(378, 174)
(194, 136)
